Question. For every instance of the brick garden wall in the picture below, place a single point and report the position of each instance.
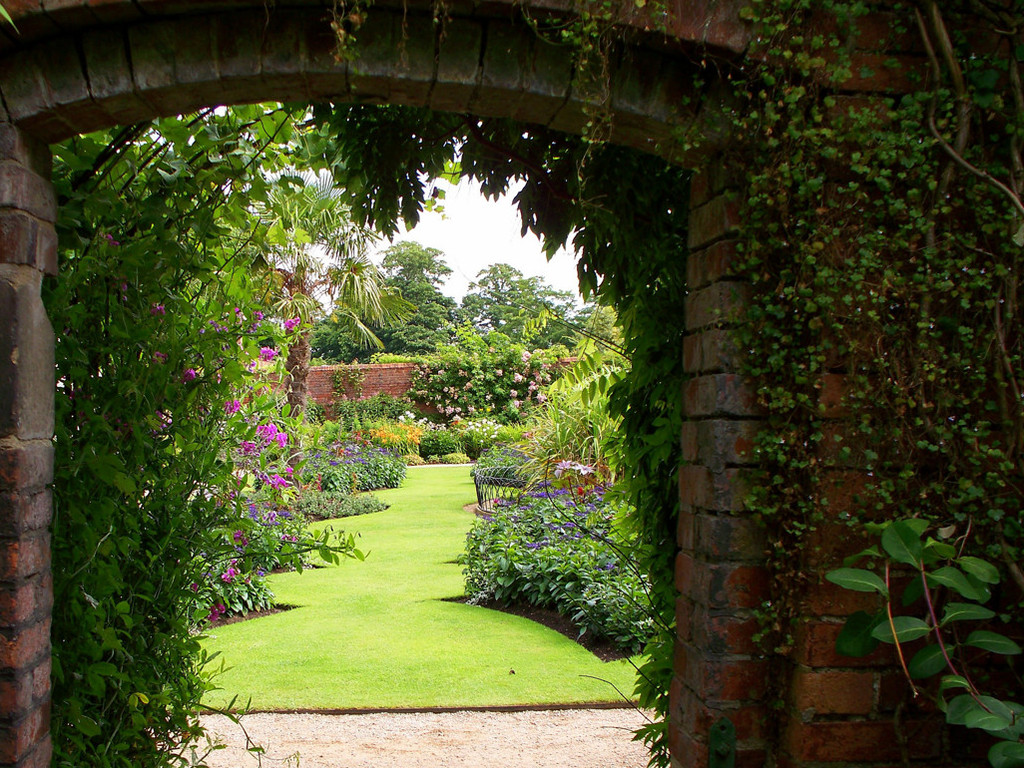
(393, 379)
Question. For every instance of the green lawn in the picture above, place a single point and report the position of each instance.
(378, 633)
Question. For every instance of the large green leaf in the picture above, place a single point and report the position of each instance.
(966, 612)
(992, 641)
(927, 662)
(902, 541)
(856, 639)
(907, 628)
(858, 579)
(952, 577)
(980, 569)
(1007, 754)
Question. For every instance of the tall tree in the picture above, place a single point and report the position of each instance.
(503, 299)
(418, 273)
(317, 256)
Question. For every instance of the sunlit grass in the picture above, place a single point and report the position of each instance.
(380, 634)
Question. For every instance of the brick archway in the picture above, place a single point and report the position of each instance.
(82, 65)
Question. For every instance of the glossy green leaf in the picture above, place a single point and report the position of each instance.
(952, 577)
(858, 580)
(966, 612)
(927, 662)
(907, 628)
(855, 639)
(1007, 754)
(980, 569)
(992, 641)
(902, 541)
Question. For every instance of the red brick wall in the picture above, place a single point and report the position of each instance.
(393, 379)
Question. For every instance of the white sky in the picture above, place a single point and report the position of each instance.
(474, 232)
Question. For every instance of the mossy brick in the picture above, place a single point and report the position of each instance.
(26, 600)
(719, 217)
(736, 538)
(40, 756)
(21, 737)
(713, 23)
(719, 443)
(26, 191)
(815, 646)
(69, 13)
(25, 647)
(709, 265)
(24, 556)
(505, 58)
(110, 77)
(459, 54)
(721, 491)
(413, 74)
(547, 82)
(29, 17)
(712, 350)
(114, 11)
(726, 678)
(26, 468)
(815, 692)
(722, 303)
(26, 349)
(723, 632)
(173, 64)
(722, 394)
(861, 741)
(26, 689)
(24, 512)
(27, 240)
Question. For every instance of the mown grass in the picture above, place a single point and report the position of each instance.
(380, 634)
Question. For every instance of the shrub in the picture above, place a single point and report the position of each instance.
(353, 467)
(484, 376)
(314, 412)
(437, 442)
(328, 505)
(558, 548)
(397, 436)
(413, 460)
(454, 458)
(354, 414)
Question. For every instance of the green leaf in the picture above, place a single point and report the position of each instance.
(858, 580)
(966, 612)
(1007, 754)
(949, 682)
(952, 577)
(855, 639)
(995, 719)
(980, 569)
(992, 641)
(959, 708)
(902, 541)
(907, 628)
(927, 662)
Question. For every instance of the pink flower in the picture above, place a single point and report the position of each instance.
(248, 448)
(217, 611)
(517, 378)
(526, 356)
(541, 397)
(290, 325)
(259, 315)
(281, 438)
(111, 240)
(267, 354)
(160, 357)
(157, 309)
(276, 481)
(189, 374)
(232, 407)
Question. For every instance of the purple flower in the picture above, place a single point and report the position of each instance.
(267, 354)
(111, 240)
(249, 448)
(157, 309)
(160, 357)
(217, 611)
(232, 407)
(189, 374)
(276, 481)
(290, 325)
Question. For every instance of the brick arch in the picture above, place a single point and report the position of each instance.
(82, 65)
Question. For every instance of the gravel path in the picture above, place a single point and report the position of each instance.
(589, 738)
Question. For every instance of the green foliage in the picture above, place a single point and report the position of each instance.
(452, 458)
(353, 414)
(948, 589)
(328, 505)
(413, 460)
(351, 467)
(502, 299)
(156, 322)
(437, 442)
(558, 547)
(482, 376)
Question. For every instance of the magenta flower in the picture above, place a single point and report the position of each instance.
(111, 240)
(160, 357)
(189, 374)
(291, 325)
(267, 354)
(248, 448)
(232, 407)
(259, 315)
(157, 309)
(217, 611)
(276, 481)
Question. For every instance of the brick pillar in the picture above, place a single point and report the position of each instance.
(720, 570)
(28, 250)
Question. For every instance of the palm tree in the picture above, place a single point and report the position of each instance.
(316, 255)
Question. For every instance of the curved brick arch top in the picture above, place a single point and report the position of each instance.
(80, 65)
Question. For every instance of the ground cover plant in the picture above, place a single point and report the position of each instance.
(557, 545)
(385, 634)
(352, 466)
